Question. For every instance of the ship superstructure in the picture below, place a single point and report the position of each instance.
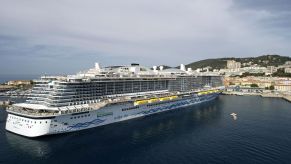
(100, 96)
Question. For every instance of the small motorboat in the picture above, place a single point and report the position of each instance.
(234, 115)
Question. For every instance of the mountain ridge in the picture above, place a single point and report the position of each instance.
(220, 63)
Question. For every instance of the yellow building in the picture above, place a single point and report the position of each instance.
(283, 87)
(19, 82)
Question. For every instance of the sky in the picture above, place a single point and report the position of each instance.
(65, 36)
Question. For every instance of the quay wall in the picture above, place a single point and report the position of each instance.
(270, 95)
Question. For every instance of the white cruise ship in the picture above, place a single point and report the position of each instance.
(100, 96)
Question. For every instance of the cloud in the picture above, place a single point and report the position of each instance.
(146, 31)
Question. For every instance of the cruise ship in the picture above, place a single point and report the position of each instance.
(101, 96)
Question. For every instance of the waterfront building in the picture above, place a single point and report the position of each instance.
(233, 65)
(270, 70)
(283, 84)
(287, 70)
(19, 82)
(286, 65)
(262, 82)
(4, 88)
(283, 87)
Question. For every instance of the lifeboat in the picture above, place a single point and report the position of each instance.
(141, 102)
(153, 100)
(164, 98)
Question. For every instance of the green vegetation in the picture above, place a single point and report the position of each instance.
(214, 63)
(254, 85)
(270, 88)
(280, 73)
(245, 74)
(220, 63)
(231, 83)
(265, 60)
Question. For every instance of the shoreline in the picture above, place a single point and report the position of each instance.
(264, 95)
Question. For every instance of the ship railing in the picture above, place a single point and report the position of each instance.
(29, 112)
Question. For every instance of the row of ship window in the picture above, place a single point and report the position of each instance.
(27, 121)
(115, 83)
(130, 108)
(136, 84)
(104, 114)
(108, 91)
(76, 117)
(136, 107)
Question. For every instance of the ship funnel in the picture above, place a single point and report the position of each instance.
(155, 68)
(161, 67)
(97, 66)
(182, 67)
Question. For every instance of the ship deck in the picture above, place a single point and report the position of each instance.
(39, 111)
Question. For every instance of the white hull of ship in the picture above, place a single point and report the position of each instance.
(34, 127)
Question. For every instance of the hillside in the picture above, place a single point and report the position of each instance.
(214, 63)
(220, 63)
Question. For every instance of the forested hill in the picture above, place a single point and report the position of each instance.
(220, 63)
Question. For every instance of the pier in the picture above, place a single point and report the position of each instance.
(284, 96)
(5, 103)
(288, 98)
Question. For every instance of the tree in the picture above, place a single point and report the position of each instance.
(272, 87)
(280, 73)
(254, 85)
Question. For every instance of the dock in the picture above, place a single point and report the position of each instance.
(272, 95)
(241, 93)
(5, 103)
(288, 98)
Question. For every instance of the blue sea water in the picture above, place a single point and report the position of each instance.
(204, 133)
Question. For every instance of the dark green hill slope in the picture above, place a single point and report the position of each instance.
(220, 63)
(214, 63)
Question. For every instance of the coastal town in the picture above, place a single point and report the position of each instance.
(257, 80)
(239, 78)
(16, 88)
